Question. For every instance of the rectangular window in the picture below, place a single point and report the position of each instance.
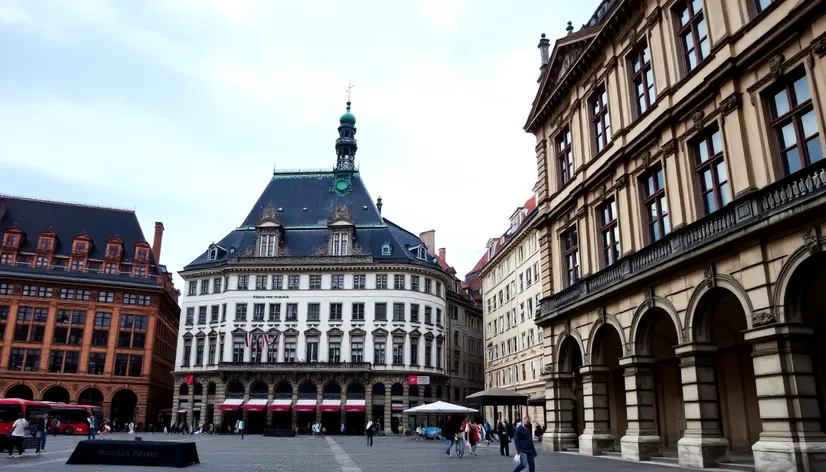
(243, 282)
(359, 281)
(398, 312)
(202, 313)
(204, 287)
(258, 310)
(398, 352)
(6, 289)
(293, 282)
(414, 312)
(655, 204)
(761, 5)
(334, 352)
(794, 122)
(135, 365)
(275, 312)
(570, 245)
(414, 283)
(438, 354)
(358, 311)
(111, 269)
(381, 311)
(106, 297)
(266, 248)
(601, 118)
(642, 78)
(381, 281)
(340, 244)
(237, 351)
(272, 353)
(398, 282)
(211, 352)
(357, 352)
(193, 288)
(96, 364)
(240, 311)
(379, 353)
(609, 231)
(190, 316)
(337, 281)
(428, 353)
(428, 313)
(565, 156)
(315, 282)
(223, 312)
(292, 312)
(438, 317)
(428, 285)
(213, 316)
(130, 299)
(711, 169)
(199, 351)
(289, 351)
(121, 365)
(42, 262)
(312, 351)
(277, 282)
(261, 282)
(692, 32)
(6, 259)
(314, 312)
(414, 351)
(335, 311)
(216, 285)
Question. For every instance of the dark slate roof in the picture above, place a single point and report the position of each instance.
(305, 231)
(68, 220)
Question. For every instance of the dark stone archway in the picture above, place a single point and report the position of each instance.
(20, 391)
(90, 396)
(124, 406)
(56, 394)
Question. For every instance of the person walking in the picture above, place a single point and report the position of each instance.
(131, 427)
(341, 430)
(40, 433)
(55, 426)
(18, 432)
(449, 434)
(523, 442)
(241, 429)
(488, 432)
(504, 440)
(93, 430)
(369, 431)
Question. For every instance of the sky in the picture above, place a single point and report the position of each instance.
(180, 109)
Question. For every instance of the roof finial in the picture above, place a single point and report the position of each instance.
(569, 28)
(349, 92)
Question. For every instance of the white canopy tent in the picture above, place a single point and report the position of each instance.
(441, 407)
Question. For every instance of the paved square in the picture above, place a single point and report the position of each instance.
(334, 454)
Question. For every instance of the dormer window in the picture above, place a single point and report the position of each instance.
(421, 253)
(12, 239)
(113, 251)
(45, 244)
(80, 246)
(267, 246)
(341, 242)
(142, 254)
(110, 268)
(77, 265)
(213, 254)
(386, 249)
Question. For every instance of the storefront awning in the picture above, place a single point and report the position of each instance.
(231, 404)
(280, 405)
(397, 406)
(256, 404)
(354, 405)
(305, 405)
(330, 405)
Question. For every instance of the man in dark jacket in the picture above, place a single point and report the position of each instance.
(504, 440)
(449, 434)
(523, 443)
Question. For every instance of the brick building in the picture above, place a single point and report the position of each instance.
(87, 314)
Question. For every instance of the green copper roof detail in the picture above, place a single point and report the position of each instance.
(347, 118)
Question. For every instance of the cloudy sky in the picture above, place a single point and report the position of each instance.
(179, 109)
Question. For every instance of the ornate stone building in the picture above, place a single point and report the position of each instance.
(316, 308)
(87, 313)
(681, 205)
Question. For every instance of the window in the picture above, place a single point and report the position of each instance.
(266, 248)
(110, 269)
(438, 354)
(357, 351)
(237, 352)
(398, 352)
(293, 282)
(398, 312)
(438, 317)
(536, 272)
(193, 288)
(258, 310)
(655, 204)
(97, 361)
(312, 351)
(642, 76)
(277, 282)
(29, 291)
(601, 118)
(414, 283)
(6, 289)
(358, 311)
(314, 312)
(337, 281)
(360, 281)
(379, 353)
(428, 285)
(711, 167)
(289, 351)
(77, 265)
(292, 312)
(261, 282)
(398, 282)
(243, 282)
(528, 277)
(42, 262)
(63, 362)
(414, 312)
(334, 352)
(275, 312)
(428, 313)
(4, 318)
(340, 244)
(133, 299)
(335, 311)
(216, 285)
(381, 281)
(794, 122)
(132, 331)
(136, 363)
(565, 156)
(438, 288)
(211, 352)
(570, 244)
(100, 334)
(190, 316)
(121, 364)
(272, 352)
(106, 297)
(428, 353)
(414, 351)
(223, 311)
(202, 312)
(693, 33)
(381, 311)
(6, 259)
(386, 249)
(609, 230)
(315, 282)
(204, 287)
(213, 317)
(240, 311)
(761, 5)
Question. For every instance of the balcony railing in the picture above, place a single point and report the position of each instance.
(350, 366)
(757, 206)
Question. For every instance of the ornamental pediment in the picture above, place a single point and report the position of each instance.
(440, 337)
(238, 331)
(274, 331)
(341, 216)
(188, 335)
(380, 332)
(291, 332)
(335, 332)
(357, 332)
(399, 332)
(270, 218)
(312, 332)
(415, 333)
(257, 331)
(212, 334)
(428, 335)
(200, 335)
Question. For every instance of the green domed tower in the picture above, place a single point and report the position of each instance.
(346, 146)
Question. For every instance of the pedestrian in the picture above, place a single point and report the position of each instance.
(18, 432)
(449, 434)
(418, 433)
(241, 428)
(471, 434)
(40, 433)
(342, 429)
(131, 427)
(93, 431)
(56, 426)
(369, 430)
(523, 442)
(488, 432)
(504, 440)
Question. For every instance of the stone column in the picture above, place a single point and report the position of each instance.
(559, 413)
(293, 413)
(343, 402)
(368, 402)
(597, 435)
(218, 398)
(641, 440)
(270, 397)
(319, 400)
(420, 418)
(702, 444)
(388, 409)
(792, 438)
(176, 401)
(190, 411)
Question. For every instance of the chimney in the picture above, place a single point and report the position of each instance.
(442, 255)
(379, 205)
(429, 240)
(3, 207)
(156, 243)
(544, 47)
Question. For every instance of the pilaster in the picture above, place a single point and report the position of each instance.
(641, 440)
(597, 436)
(559, 416)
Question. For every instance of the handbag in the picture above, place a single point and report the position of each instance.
(517, 457)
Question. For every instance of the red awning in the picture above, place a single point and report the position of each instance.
(305, 405)
(256, 405)
(354, 405)
(230, 404)
(330, 405)
(280, 405)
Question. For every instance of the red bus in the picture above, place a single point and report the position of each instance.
(11, 407)
(74, 418)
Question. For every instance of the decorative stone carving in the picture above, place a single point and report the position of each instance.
(670, 147)
(600, 192)
(341, 212)
(730, 103)
(580, 213)
(819, 47)
(776, 65)
(601, 314)
(621, 181)
(812, 240)
(762, 318)
(708, 276)
(645, 157)
(568, 326)
(653, 18)
(649, 297)
(611, 64)
(697, 118)
(249, 251)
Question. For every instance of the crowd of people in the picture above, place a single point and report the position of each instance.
(41, 425)
(472, 433)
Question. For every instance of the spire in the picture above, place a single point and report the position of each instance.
(346, 143)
